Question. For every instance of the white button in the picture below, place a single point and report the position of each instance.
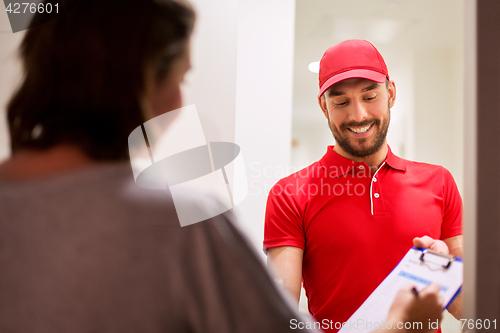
(376, 195)
(374, 179)
(361, 167)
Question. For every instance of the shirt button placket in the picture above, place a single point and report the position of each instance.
(374, 190)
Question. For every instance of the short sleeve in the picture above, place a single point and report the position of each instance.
(283, 222)
(452, 218)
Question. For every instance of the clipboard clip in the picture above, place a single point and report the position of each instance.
(446, 256)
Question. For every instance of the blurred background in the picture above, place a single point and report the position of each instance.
(252, 84)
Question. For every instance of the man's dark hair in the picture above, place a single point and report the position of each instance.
(84, 73)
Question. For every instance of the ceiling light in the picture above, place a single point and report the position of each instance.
(314, 67)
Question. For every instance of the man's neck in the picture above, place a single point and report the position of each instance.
(374, 161)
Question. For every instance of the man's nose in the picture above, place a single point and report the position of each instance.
(358, 112)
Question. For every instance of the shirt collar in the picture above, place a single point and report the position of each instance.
(395, 162)
(337, 166)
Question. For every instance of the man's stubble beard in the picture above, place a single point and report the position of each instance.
(344, 143)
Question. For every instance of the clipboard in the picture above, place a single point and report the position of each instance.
(420, 267)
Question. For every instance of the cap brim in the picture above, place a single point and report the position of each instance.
(355, 73)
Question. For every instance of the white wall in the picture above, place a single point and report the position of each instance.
(9, 74)
(263, 101)
(241, 82)
(439, 110)
(211, 83)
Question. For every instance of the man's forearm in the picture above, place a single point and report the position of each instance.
(287, 262)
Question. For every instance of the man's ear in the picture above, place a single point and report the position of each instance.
(322, 105)
(391, 90)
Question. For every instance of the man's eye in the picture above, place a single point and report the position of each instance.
(341, 103)
(370, 98)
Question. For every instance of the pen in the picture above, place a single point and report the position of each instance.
(414, 291)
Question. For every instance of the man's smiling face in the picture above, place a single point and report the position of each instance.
(358, 113)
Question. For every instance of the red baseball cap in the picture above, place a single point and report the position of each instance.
(349, 59)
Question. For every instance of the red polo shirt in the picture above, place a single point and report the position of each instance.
(355, 225)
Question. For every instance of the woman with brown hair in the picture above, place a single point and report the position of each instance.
(83, 248)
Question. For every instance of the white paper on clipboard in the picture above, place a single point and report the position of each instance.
(419, 267)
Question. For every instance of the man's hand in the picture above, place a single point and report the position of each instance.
(432, 244)
(453, 246)
(418, 311)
